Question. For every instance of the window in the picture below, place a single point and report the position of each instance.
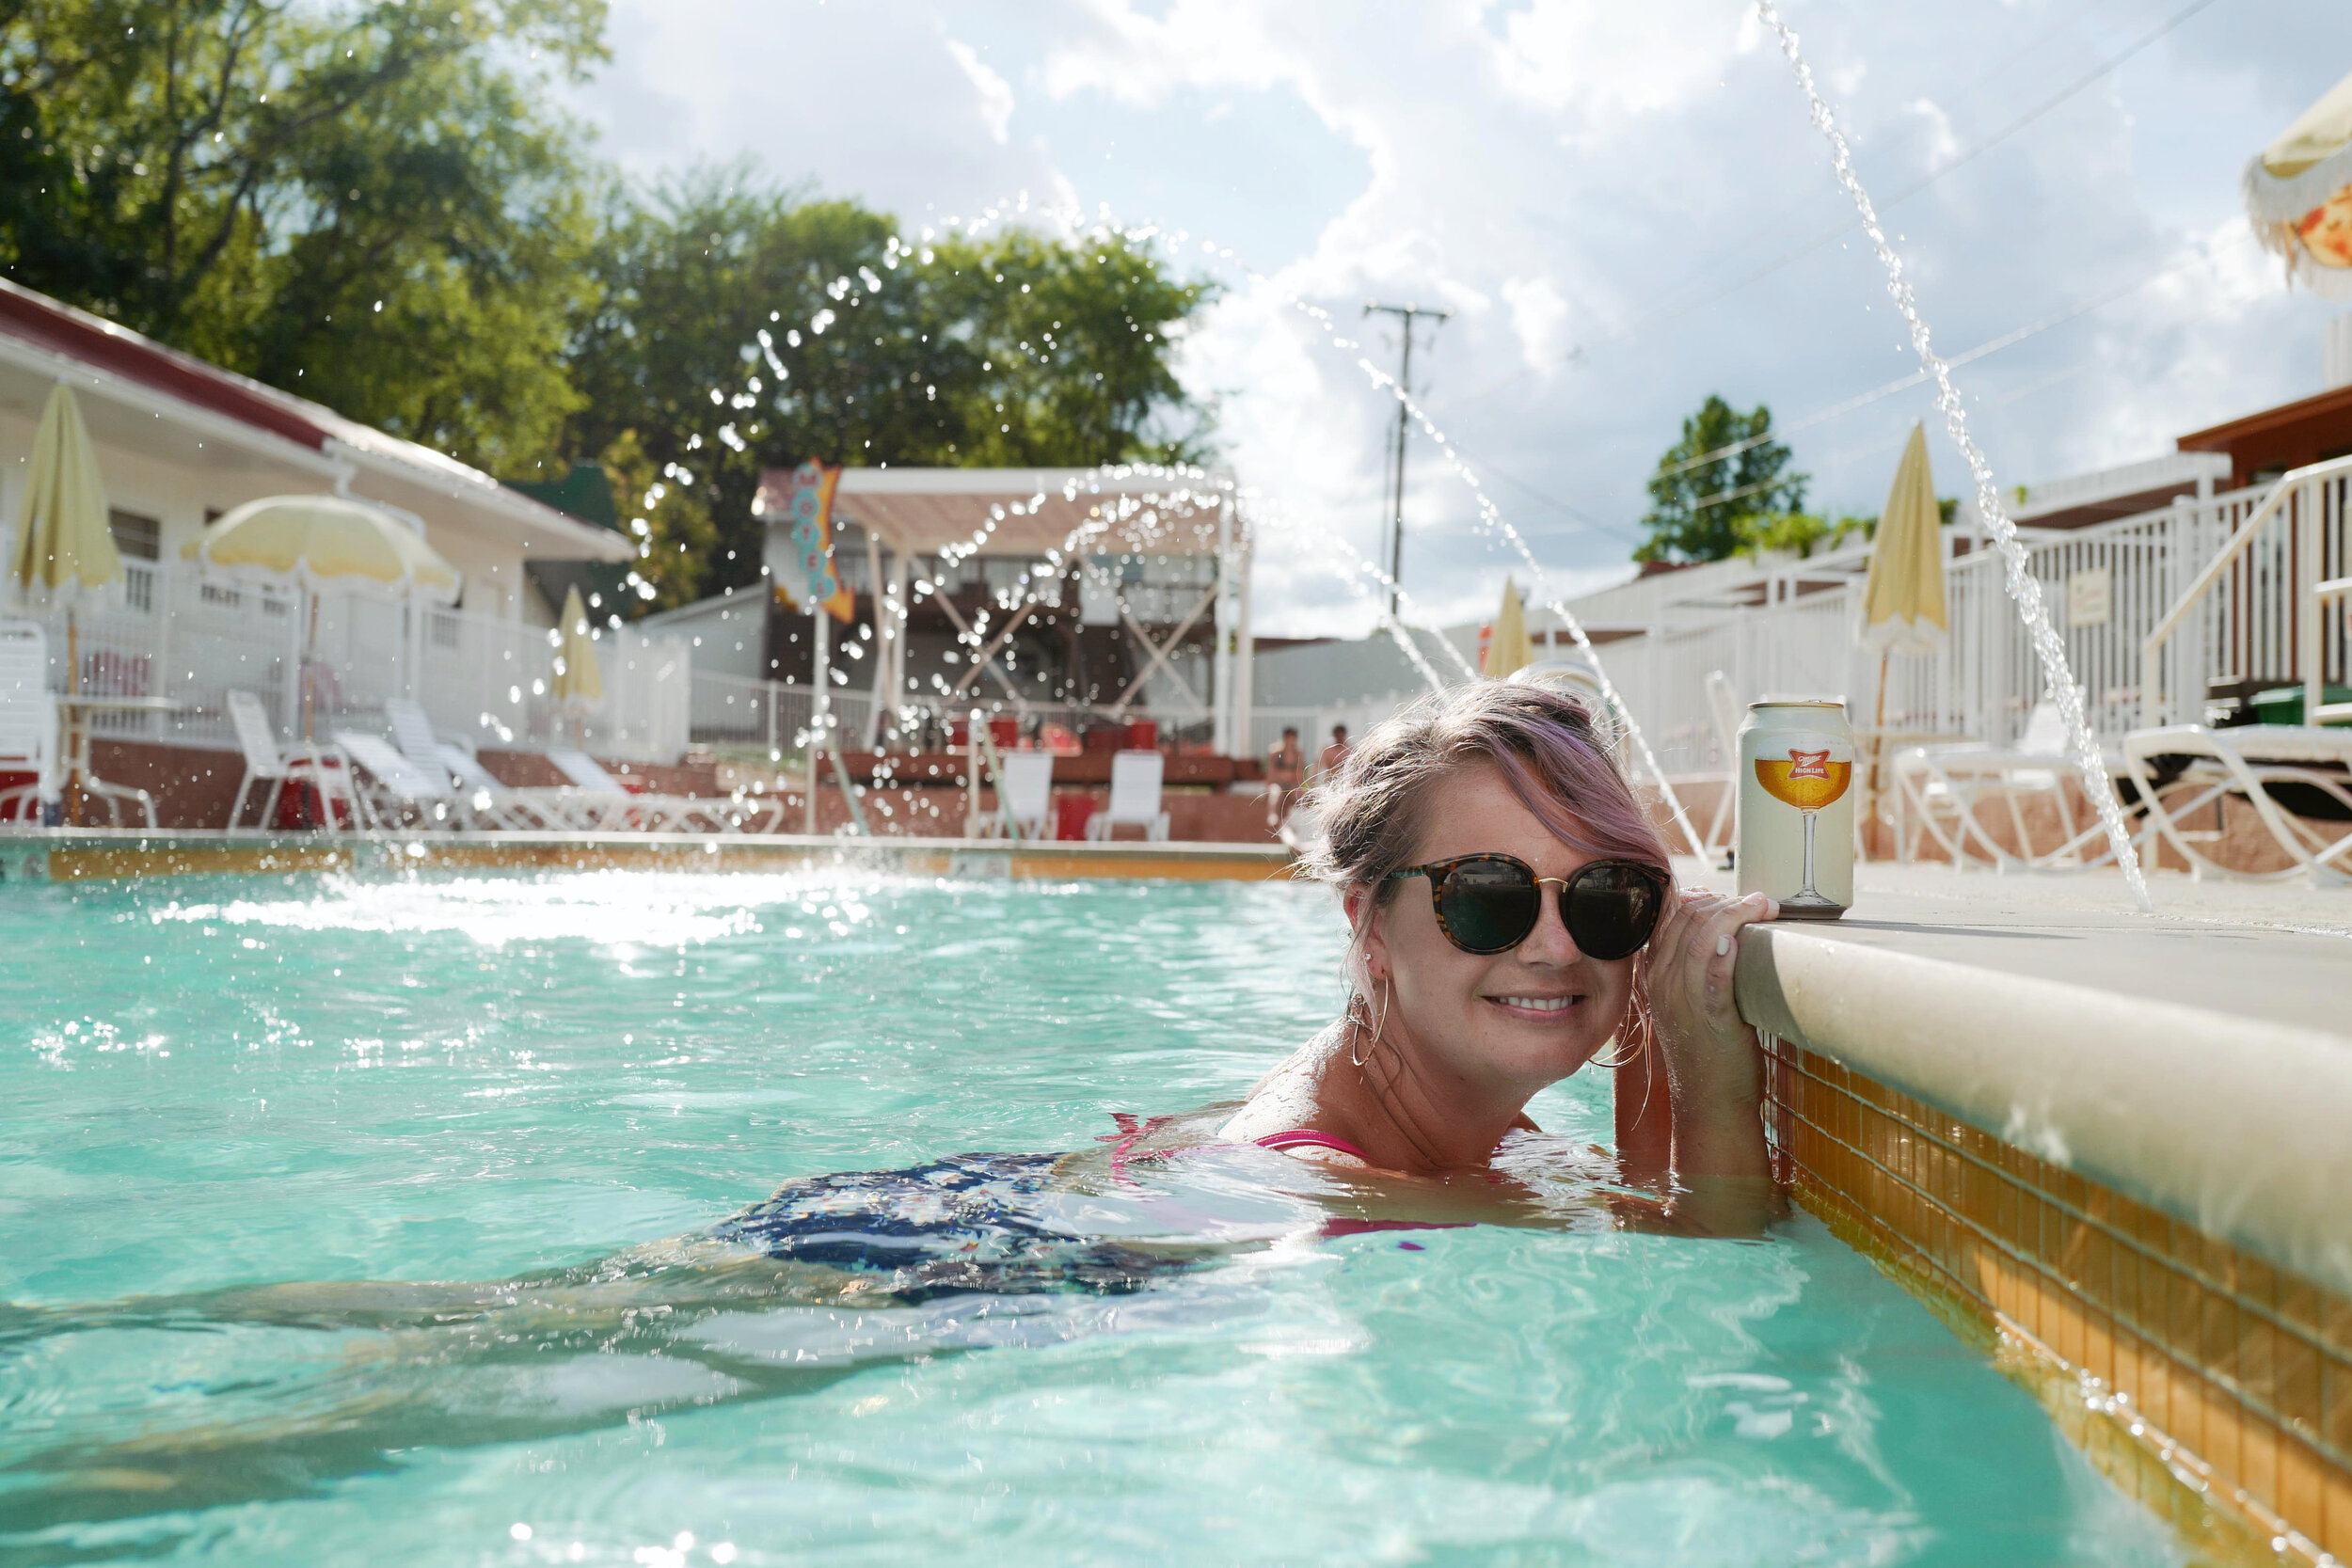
(140, 538)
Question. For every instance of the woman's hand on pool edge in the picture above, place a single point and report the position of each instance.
(1713, 1066)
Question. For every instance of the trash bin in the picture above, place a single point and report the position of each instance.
(1071, 813)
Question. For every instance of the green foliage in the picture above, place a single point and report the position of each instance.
(1073, 344)
(668, 520)
(360, 202)
(931, 353)
(1797, 533)
(364, 202)
(1724, 471)
(1801, 533)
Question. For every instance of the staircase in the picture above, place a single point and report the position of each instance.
(2269, 609)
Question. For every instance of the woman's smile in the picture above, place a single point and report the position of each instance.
(1538, 1008)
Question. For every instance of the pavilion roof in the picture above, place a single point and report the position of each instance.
(1122, 509)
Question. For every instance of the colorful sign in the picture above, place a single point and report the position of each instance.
(809, 577)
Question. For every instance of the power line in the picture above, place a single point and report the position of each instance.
(1586, 522)
(1659, 317)
(1903, 383)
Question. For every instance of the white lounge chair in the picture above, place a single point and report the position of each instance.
(391, 790)
(1941, 787)
(1025, 797)
(264, 763)
(482, 801)
(28, 722)
(1135, 798)
(2311, 766)
(614, 807)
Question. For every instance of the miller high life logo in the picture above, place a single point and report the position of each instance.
(1809, 765)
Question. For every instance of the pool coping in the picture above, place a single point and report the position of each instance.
(2232, 1123)
(80, 854)
(2114, 1143)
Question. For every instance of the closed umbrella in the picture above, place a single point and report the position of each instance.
(579, 678)
(2298, 194)
(63, 544)
(62, 541)
(1903, 609)
(1507, 648)
(322, 541)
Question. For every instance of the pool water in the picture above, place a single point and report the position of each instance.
(210, 1086)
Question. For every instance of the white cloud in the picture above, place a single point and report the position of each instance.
(1605, 64)
(996, 92)
(1539, 316)
(1943, 146)
(1638, 183)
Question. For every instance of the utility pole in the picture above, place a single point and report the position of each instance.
(1405, 314)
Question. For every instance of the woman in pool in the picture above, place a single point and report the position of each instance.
(1512, 916)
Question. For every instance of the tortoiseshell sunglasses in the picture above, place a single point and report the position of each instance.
(1489, 903)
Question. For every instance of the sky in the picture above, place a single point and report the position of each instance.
(1624, 207)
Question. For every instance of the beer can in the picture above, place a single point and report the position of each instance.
(1796, 806)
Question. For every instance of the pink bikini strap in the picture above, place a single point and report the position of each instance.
(1307, 1137)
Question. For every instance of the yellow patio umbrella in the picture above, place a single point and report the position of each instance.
(579, 678)
(1507, 646)
(63, 544)
(1903, 609)
(322, 541)
(2298, 194)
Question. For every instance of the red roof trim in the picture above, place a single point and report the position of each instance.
(87, 339)
(2220, 437)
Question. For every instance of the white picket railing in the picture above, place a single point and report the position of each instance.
(2124, 576)
(176, 632)
(2266, 609)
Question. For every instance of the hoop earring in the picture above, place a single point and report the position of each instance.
(1387, 991)
(1633, 1036)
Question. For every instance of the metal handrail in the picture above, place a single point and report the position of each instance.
(2152, 648)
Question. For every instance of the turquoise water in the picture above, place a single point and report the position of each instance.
(216, 1084)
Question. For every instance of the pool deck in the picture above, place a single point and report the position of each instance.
(2198, 1059)
(2280, 953)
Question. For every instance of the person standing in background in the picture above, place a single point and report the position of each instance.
(1334, 754)
(1285, 771)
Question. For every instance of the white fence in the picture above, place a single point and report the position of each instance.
(191, 637)
(2106, 588)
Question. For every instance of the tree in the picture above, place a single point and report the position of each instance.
(739, 325)
(1725, 471)
(1797, 533)
(358, 201)
(364, 202)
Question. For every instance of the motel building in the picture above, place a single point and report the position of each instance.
(1080, 612)
(179, 442)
